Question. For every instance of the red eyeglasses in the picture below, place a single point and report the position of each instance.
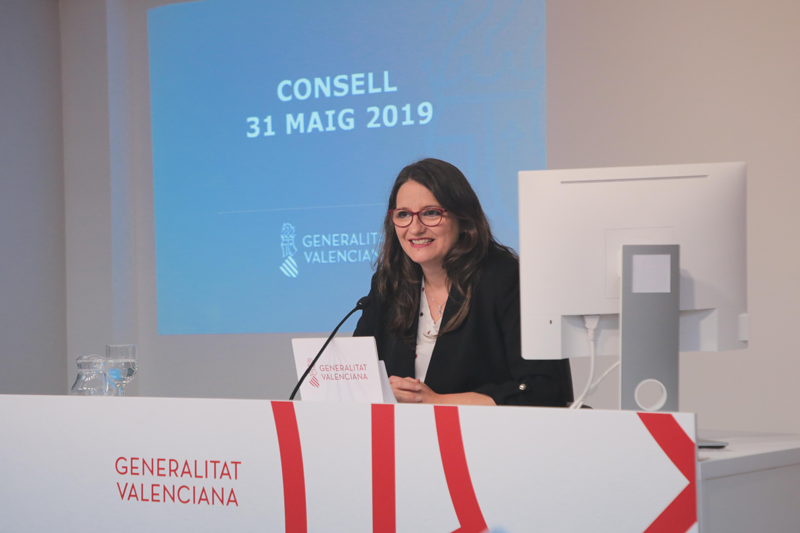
(429, 216)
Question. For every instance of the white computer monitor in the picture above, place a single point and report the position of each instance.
(573, 224)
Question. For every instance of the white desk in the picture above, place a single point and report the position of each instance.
(172, 464)
(339, 467)
(751, 486)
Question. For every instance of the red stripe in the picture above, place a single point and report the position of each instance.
(294, 485)
(384, 513)
(456, 471)
(681, 514)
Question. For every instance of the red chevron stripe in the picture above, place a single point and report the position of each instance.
(681, 514)
(294, 484)
(384, 512)
(456, 471)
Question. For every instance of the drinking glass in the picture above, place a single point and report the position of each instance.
(121, 364)
(90, 380)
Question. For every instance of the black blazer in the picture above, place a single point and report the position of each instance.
(483, 355)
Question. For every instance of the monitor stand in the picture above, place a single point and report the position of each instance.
(649, 327)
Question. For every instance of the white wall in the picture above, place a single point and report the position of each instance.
(32, 281)
(633, 83)
(100, 259)
(629, 82)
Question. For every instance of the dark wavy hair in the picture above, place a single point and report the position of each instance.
(399, 277)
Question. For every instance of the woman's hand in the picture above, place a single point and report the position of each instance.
(411, 390)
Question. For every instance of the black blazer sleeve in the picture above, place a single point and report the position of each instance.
(368, 323)
(542, 383)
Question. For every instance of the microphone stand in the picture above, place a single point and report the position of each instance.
(362, 303)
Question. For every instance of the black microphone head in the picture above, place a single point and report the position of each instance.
(364, 302)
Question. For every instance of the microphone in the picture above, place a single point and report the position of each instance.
(363, 303)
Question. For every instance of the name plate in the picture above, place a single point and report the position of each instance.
(348, 370)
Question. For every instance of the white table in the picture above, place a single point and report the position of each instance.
(751, 486)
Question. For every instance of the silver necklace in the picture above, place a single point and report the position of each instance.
(429, 295)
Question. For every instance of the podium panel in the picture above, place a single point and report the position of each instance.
(152, 464)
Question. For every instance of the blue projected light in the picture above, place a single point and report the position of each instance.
(279, 127)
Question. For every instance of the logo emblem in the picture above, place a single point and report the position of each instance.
(289, 265)
(312, 376)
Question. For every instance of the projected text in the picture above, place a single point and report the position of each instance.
(386, 116)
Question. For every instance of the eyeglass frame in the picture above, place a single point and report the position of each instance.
(413, 214)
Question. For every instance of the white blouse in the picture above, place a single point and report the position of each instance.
(427, 330)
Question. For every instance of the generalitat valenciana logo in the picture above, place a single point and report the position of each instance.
(289, 265)
(312, 376)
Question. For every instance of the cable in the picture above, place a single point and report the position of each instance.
(590, 322)
(601, 378)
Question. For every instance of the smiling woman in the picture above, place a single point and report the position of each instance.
(428, 233)
(446, 316)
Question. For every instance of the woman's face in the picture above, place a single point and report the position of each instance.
(425, 246)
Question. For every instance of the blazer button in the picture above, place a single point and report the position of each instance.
(522, 386)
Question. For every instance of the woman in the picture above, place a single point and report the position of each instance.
(445, 301)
